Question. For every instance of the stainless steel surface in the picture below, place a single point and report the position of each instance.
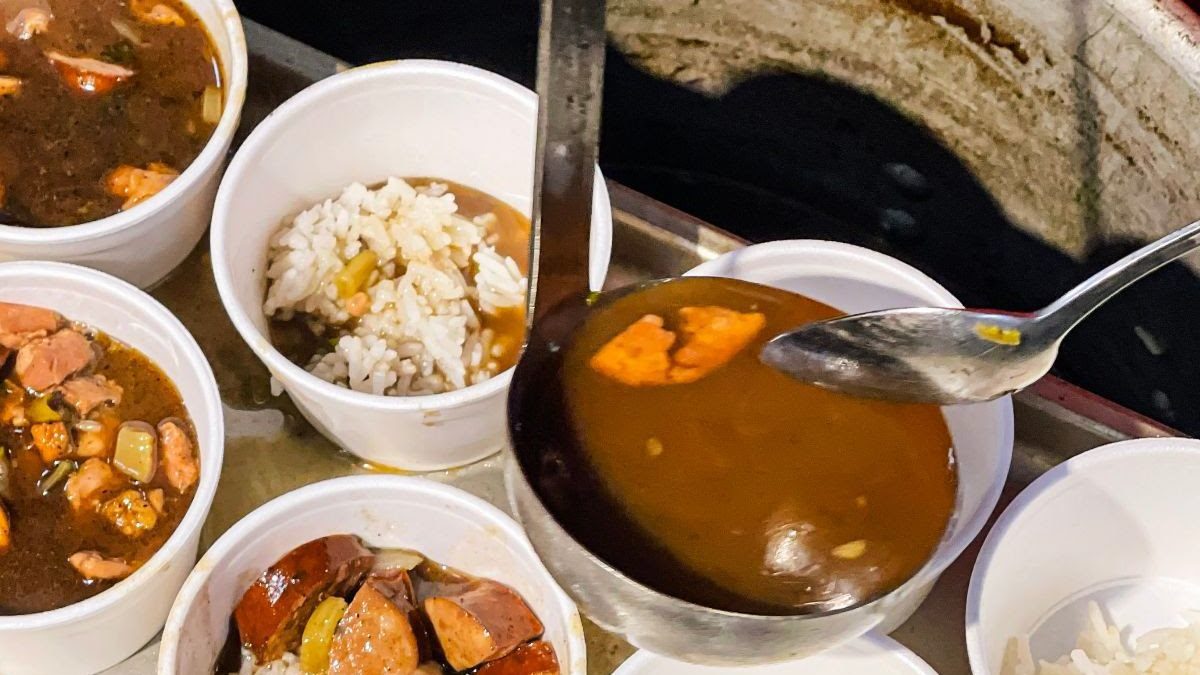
(271, 450)
(569, 81)
(951, 356)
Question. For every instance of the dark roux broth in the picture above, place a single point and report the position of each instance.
(58, 145)
(34, 574)
(747, 490)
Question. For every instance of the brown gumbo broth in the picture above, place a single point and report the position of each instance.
(746, 490)
(64, 137)
(36, 573)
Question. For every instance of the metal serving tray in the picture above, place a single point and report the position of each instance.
(270, 449)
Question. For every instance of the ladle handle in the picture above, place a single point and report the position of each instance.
(1080, 301)
(570, 76)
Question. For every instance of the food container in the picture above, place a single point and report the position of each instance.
(869, 655)
(444, 523)
(405, 118)
(96, 633)
(144, 244)
(854, 280)
(1119, 525)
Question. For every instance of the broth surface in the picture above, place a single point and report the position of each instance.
(58, 145)
(747, 490)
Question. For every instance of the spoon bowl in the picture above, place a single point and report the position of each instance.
(918, 355)
(952, 356)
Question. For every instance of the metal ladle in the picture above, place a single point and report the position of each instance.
(548, 487)
(950, 356)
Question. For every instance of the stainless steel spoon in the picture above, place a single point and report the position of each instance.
(950, 356)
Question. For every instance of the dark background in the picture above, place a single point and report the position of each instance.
(788, 156)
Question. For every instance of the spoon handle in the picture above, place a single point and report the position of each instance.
(569, 79)
(1080, 301)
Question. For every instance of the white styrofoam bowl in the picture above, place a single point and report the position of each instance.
(1119, 525)
(142, 245)
(869, 655)
(404, 118)
(103, 630)
(853, 280)
(442, 522)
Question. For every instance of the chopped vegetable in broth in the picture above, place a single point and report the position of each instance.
(102, 104)
(97, 460)
(723, 482)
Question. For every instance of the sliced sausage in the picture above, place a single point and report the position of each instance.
(20, 323)
(93, 482)
(179, 463)
(535, 658)
(377, 633)
(271, 615)
(46, 362)
(92, 565)
(87, 393)
(479, 622)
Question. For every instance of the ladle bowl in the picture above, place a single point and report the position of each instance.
(544, 490)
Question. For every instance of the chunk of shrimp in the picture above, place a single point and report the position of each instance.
(156, 13)
(30, 21)
(87, 486)
(92, 565)
(137, 185)
(711, 337)
(179, 462)
(639, 355)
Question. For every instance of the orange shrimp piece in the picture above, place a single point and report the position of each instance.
(711, 337)
(640, 355)
(156, 14)
(137, 185)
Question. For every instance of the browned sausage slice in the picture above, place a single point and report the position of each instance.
(535, 658)
(271, 615)
(377, 634)
(46, 362)
(480, 621)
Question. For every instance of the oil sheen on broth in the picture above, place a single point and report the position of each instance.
(746, 490)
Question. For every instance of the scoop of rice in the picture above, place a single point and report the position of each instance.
(437, 273)
(1100, 651)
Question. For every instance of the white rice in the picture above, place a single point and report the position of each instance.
(288, 664)
(1100, 651)
(437, 273)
